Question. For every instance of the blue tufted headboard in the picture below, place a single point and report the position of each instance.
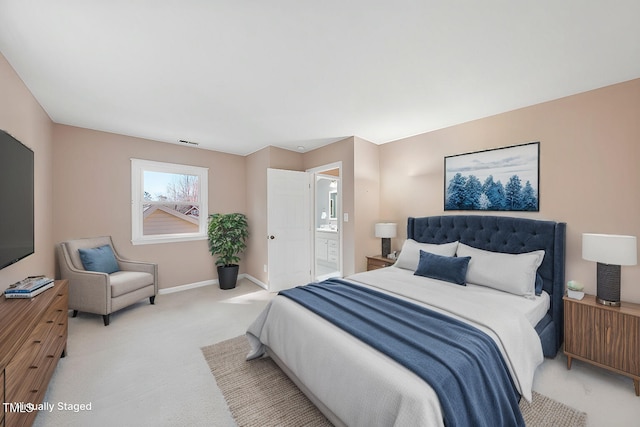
(509, 235)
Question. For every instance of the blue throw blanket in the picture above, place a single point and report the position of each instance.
(461, 363)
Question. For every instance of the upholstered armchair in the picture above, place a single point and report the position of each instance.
(102, 282)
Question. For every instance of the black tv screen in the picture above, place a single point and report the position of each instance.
(16, 200)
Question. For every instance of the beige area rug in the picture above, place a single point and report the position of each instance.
(260, 394)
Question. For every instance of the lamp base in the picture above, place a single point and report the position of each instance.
(386, 246)
(609, 303)
(608, 283)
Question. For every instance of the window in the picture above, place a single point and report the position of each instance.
(167, 201)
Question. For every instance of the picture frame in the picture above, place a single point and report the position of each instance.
(498, 179)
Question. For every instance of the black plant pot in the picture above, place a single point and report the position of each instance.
(228, 276)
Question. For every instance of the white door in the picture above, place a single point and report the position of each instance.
(288, 232)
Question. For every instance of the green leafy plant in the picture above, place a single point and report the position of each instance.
(227, 234)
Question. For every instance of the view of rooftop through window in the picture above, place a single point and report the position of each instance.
(173, 193)
(168, 202)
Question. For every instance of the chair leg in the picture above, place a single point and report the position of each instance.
(105, 317)
(75, 313)
(152, 300)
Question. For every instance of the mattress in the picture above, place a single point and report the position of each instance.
(363, 387)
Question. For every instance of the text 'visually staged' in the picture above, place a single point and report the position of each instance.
(46, 406)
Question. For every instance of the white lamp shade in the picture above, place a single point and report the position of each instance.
(386, 229)
(610, 249)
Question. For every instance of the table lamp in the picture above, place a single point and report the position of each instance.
(386, 230)
(610, 252)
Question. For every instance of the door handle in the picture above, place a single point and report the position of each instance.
(272, 237)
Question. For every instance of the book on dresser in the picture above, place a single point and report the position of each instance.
(33, 293)
(29, 287)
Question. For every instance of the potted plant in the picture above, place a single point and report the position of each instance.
(227, 234)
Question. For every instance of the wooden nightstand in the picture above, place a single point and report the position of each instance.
(608, 337)
(377, 261)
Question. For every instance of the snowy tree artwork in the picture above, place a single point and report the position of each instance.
(501, 179)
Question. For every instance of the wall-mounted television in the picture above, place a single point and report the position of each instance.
(16, 200)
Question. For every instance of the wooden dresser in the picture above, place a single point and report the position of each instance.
(33, 337)
(608, 337)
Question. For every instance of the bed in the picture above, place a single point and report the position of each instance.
(357, 381)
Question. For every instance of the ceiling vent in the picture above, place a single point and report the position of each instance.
(184, 141)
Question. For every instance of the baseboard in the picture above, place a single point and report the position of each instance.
(209, 283)
(187, 286)
(254, 280)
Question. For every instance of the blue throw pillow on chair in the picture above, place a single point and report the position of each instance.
(449, 269)
(100, 259)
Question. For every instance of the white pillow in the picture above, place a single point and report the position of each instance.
(410, 254)
(513, 273)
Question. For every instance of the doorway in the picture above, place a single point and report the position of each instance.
(327, 229)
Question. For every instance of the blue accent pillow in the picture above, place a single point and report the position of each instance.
(449, 269)
(100, 259)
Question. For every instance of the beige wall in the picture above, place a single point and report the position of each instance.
(92, 196)
(366, 178)
(22, 117)
(360, 196)
(341, 151)
(256, 254)
(589, 169)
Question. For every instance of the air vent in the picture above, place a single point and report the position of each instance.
(184, 141)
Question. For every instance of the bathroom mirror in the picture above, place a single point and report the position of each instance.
(333, 197)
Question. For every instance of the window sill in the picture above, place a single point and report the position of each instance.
(152, 240)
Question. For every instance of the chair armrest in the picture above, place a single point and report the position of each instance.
(146, 267)
(88, 281)
(128, 265)
(88, 290)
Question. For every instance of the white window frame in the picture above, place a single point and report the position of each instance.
(138, 167)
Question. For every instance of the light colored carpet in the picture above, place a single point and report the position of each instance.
(146, 368)
(260, 394)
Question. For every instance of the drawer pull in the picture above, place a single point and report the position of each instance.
(49, 321)
(37, 342)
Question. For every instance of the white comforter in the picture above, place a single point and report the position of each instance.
(363, 387)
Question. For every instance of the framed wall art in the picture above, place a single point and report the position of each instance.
(500, 179)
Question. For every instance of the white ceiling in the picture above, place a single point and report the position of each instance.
(239, 75)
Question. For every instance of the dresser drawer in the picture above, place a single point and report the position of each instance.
(375, 262)
(38, 332)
